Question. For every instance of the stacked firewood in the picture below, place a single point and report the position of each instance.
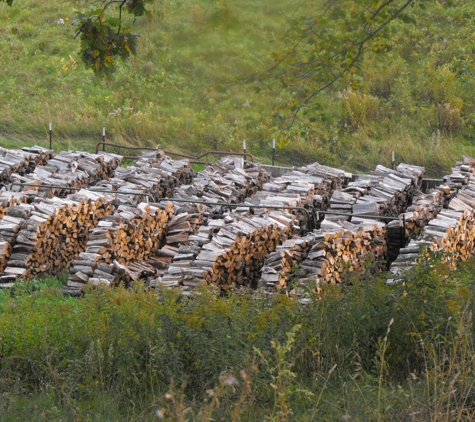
(21, 161)
(154, 181)
(228, 180)
(10, 225)
(424, 208)
(452, 231)
(9, 199)
(181, 169)
(324, 255)
(462, 173)
(390, 191)
(53, 233)
(181, 227)
(234, 254)
(68, 170)
(178, 261)
(129, 236)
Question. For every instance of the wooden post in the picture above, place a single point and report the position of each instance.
(244, 148)
(50, 135)
(273, 151)
(103, 138)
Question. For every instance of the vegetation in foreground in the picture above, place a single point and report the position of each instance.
(366, 352)
(186, 88)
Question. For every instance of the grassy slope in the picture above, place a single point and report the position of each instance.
(180, 91)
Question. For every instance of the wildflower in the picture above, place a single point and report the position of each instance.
(230, 380)
(60, 22)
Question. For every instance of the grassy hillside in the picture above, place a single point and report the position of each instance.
(184, 89)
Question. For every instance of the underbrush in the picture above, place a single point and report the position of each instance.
(369, 351)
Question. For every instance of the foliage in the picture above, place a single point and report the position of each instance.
(407, 348)
(326, 45)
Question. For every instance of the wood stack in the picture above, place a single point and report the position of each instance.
(21, 161)
(177, 261)
(10, 225)
(181, 169)
(181, 227)
(324, 255)
(154, 181)
(130, 235)
(452, 231)
(68, 169)
(462, 173)
(424, 208)
(234, 255)
(9, 199)
(390, 191)
(53, 233)
(229, 180)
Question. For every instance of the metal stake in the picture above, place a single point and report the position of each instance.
(50, 136)
(273, 151)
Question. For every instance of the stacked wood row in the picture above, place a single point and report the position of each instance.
(178, 260)
(21, 161)
(452, 231)
(10, 225)
(9, 199)
(53, 232)
(234, 254)
(228, 180)
(130, 235)
(391, 190)
(461, 174)
(181, 227)
(324, 255)
(154, 174)
(68, 169)
(225, 181)
(424, 208)
(181, 169)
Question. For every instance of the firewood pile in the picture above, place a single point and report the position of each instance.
(462, 173)
(233, 251)
(49, 233)
(68, 169)
(21, 161)
(228, 180)
(325, 254)
(181, 227)
(152, 173)
(452, 231)
(127, 236)
(181, 169)
(9, 199)
(391, 191)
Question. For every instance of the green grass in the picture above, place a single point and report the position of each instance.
(184, 89)
(369, 352)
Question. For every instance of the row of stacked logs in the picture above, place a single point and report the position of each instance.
(21, 161)
(324, 255)
(68, 169)
(234, 254)
(153, 173)
(453, 230)
(49, 233)
(127, 236)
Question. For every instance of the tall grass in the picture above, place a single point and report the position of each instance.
(363, 352)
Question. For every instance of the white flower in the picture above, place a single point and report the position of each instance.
(60, 22)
